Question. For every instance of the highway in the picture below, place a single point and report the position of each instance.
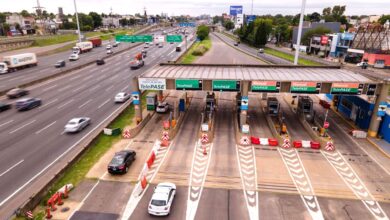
(30, 141)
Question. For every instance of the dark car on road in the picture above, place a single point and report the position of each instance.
(16, 93)
(27, 104)
(60, 63)
(121, 162)
(4, 106)
(100, 61)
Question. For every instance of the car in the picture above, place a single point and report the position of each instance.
(60, 63)
(121, 162)
(122, 97)
(74, 57)
(261, 50)
(144, 53)
(27, 104)
(162, 199)
(16, 93)
(235, 44)
(4, 106)
(100, 61)
(362, 64)
(135, 64)
(160, 45)
(146, 45)
(162, 107)
(108, 47)
(116, 44)
(77, 124)
(110, 52)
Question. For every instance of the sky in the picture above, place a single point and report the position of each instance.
(198, 7)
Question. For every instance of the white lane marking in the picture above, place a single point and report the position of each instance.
(30, 77)
(101, 105)
(94, 88)
(58, 158)
(81, 87)
(48, 88)
(46, 127)
(54, 100)
(66, 103)
(109, 88)
(124, 88)
(15, 78)
(64, 88)
(11, 168)
(85, 103)
(6, 123)
(75, 77)
(22, 126)
(114, 77)
(171, 52)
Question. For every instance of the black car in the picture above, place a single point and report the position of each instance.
(16, 93)
(27, 104)
(100, 62)
(4, 106)
(121, 161)
(60, 63)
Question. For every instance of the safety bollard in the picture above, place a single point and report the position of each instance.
(66, 191)
(60, 202)
(48, 215)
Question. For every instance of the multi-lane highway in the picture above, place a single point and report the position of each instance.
(30, 141)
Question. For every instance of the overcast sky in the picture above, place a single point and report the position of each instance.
(197, 7)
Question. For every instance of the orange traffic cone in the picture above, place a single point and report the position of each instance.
(48, 215)
(164, 143)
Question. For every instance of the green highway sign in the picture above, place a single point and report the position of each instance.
(265, 86)
(226, 85)
(134, 38)
(305, 87)
(188, 84)
(174, 38)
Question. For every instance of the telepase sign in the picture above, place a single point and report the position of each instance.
(151, 84)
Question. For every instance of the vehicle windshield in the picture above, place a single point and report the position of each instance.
(158, 202)
(116, 160)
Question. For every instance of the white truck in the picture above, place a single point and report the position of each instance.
(19, 61)
(82, 47)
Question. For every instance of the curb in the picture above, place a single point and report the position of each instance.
(378, 147)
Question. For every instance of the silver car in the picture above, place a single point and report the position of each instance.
(77, 124)
(162, 199)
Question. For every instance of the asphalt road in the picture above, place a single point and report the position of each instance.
(31, 140)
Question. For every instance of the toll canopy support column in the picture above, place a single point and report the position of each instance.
(244, 93)
(160, 96)
(137, 108)
(264, 96)
(374, 123)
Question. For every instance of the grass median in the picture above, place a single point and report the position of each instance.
(290, 57)
(77, 172)
(196, 50)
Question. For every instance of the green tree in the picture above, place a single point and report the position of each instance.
(25, 13)
(123, 22)
(45, 15)
(2, 23)
(97, 19)
(263, 31)
(203, 32)
(86, 22)
(317, 31)
(384, 18)
(217, 19)
(315, 17)
(229, 25)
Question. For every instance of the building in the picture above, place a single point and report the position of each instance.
(111, 21)
(334, 27)
(26, 23)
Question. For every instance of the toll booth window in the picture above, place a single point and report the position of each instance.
(273, 106)
(306, 108)
(347, 104)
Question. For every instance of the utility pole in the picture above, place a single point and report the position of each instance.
(299, 32)
(77, 19)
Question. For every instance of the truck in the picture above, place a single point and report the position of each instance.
(96, 42)
(19, 61)
(82, 47)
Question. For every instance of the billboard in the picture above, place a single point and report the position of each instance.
(235, 10)
(240, 19)
(250, 18)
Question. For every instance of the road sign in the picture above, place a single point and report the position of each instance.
(347, 88)
(135, 96)
(265, 86)
(188, 84)
(326, 125)
(187, 24)
(382, 109)
(126, 134)
(245, 129)
(286, 143)
(329, 146)
(244, 140)
(151, 84)
(235, 10)
(165, 136)
(205, 138)
(226, 85)
(244, 103)
(250, 18)
(174, 38)
(134, 38)
(305, 87)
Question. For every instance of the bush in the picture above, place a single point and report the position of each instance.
(111, 30)
(203, 32)
(199, 51)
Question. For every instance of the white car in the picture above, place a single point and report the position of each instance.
(361, 63)
(77, 124)
(162, 199)
(74, 57)
(122, 97)
(108, 47)
(110, 52)
(146, 45)
(162, 107)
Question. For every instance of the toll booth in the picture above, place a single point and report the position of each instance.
(273, 106)
(305, 106)
(151, 101)
(210, 102)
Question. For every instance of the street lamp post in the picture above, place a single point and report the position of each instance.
(77, 19)
(299, 32)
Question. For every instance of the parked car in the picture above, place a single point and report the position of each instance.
(60, 63)
(74, 57)
(121, 97)
(108, 47)
(162, 198)
(162, 107)
(16, 93)
(4, 106)
(121, 162)
(100, 61)
(110, 52)
(135, 64)
(77, 124)
(27, 104)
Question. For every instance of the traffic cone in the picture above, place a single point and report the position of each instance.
(48, 215)
(164, 143)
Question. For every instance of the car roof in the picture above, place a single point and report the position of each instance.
(121, 93)
(23, 99)
(76, 119)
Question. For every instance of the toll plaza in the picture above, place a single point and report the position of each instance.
(265, 79)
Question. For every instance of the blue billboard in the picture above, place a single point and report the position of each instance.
(250, 18)
(235, 10)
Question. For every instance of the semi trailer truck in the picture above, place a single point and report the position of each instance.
(19, 61)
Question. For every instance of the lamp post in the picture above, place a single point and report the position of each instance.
(77, 19)
(299, 32)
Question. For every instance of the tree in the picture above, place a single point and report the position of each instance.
(263, 31)
(2, 23)
(25, 13)
(97, 19)
(315, 17)
(45, 15)
(384, 18)
(86, 22)
(123, 22)
(203, 32)
(317, 31)
(217, 19)
(229, 25)
(51, 16)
